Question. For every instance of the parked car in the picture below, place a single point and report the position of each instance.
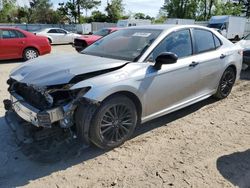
(245, 44)
(82, 42)
(16, 43)
(128, 77)
(58, 35)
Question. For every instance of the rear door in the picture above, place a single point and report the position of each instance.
(65, 37)
(53, 33)
(210, 59)
(12, 44)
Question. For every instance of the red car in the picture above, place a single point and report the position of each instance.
(82, 42)
(16, 43)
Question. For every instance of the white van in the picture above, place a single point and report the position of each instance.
(231, 27)
(133, 22)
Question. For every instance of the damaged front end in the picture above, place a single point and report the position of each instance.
(44, 106)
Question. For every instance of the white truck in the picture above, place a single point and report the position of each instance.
(231, 27)
(133, 22)
(178, 21)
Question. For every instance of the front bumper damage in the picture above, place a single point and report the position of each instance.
(37, 117)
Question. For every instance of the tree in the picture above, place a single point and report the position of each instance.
(69, 10)
(180, 8)
(41, 11)
(98, 16)
(115, 10)
(227, 8)
(88, 5)
(139, 15)
(6, 14)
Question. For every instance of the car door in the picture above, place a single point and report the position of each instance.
(53, 33)
(174, 84)
(65, 37)
(210, 58)
(12, 43)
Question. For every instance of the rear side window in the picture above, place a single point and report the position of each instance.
(204, 40)
(217, 42)
(20, 35)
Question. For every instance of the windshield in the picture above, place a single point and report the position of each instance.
(102, 32)
(217, 25)
(247, 37)
(126, 44)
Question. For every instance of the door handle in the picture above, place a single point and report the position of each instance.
(22, 42)
(193, 64)
(222, 56)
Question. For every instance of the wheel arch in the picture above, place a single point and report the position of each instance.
(234, 68)
(134, 98)
(33, 47)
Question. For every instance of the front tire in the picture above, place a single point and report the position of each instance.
(114, 122)
(30, 53)
(226, 83)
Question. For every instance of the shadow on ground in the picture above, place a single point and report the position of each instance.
(236, 168)
(20, 164)
(11, 61)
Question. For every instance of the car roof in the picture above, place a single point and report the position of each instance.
(167, 27)
(16, 28)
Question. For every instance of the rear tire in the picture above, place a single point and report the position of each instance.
(226, 83)
(30, 53)
(114, 122)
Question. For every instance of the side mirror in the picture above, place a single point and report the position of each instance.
(90, 33)
(165, 58)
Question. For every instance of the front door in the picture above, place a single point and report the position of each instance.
(174, 84)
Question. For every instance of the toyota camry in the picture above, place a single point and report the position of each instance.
(126, 78)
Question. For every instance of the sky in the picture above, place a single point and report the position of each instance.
(148, 7)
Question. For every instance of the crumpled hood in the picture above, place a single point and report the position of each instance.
(58, 69)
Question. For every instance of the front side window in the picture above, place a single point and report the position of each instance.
(9, 34)
(125, 44)
(204, 40)
(178, 42)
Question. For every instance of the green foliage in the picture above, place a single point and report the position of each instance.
(69, 11)
(227, 9)
(140, 15)
(88, 4)
(115, 10)
(180, 8)
(98, 16)
(7, 12)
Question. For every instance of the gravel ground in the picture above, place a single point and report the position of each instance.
(204, 145)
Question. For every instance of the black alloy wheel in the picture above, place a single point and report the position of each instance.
(226, 83)
(114, 122)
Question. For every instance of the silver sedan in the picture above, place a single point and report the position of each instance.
(58, 35)
(128, 77)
